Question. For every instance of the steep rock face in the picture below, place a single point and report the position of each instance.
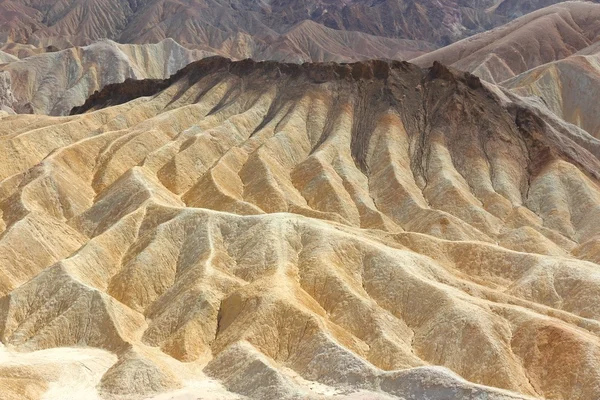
(301, 231)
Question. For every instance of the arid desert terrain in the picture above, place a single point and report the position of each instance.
(331, 199)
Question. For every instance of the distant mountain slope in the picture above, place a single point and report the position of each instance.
(309, 41)
(552, 54)
(550, 34)
(6, 58)
(214, 23)
(569, 87)
(18, 21)
(53, 83)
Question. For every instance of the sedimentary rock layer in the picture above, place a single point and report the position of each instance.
(302, 231)
(244, 25)
(569, 87)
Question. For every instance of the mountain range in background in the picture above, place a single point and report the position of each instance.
(248, 27)
(232, 200)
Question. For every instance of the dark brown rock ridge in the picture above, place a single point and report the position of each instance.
(315, 72)
(425, 96)
(119, 93)
(131, 89)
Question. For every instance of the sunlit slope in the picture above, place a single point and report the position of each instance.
(302, 232)
(540, 37)
(569, 87)
(52, 83)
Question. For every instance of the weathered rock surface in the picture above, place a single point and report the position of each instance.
(570, 87)
(6, 58)
(551, 56)
(543, 36)
(52, 83)
(228, 27)
(303, 231)
(7, 99)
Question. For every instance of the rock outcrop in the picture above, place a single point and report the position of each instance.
(7, 99)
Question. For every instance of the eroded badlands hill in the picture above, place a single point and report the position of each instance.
(543, 36)
(550, 56)
(52, 83)
(569, 87)
(300, 231)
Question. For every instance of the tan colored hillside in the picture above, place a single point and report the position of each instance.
(53, 82)
(569, 87)
(269, 230)
(543, 36)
